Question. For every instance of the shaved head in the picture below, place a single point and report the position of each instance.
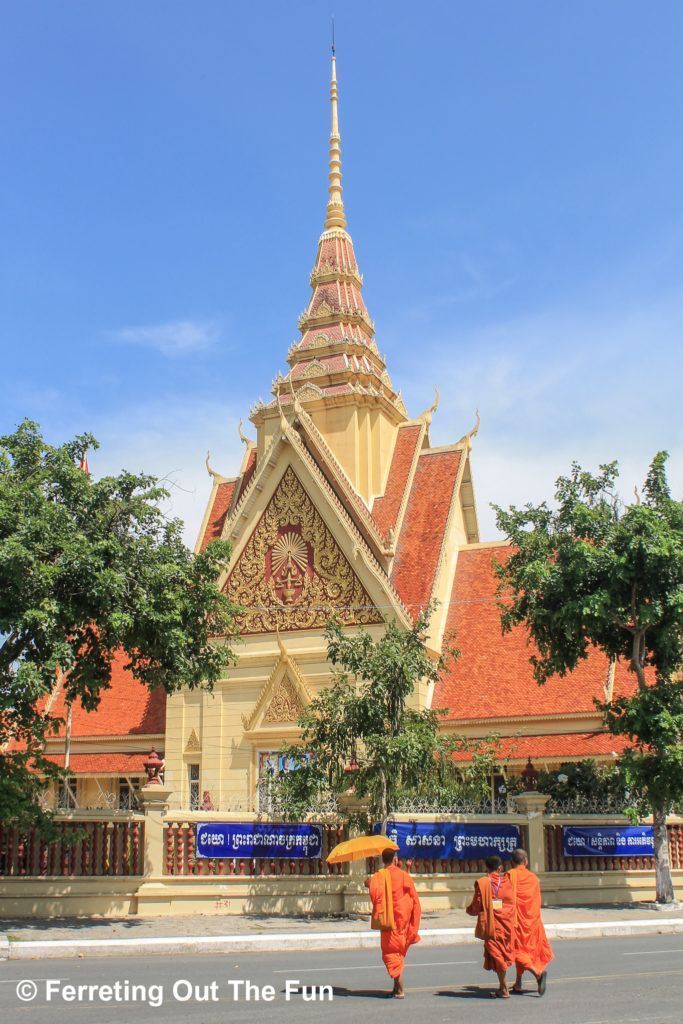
(519, 857)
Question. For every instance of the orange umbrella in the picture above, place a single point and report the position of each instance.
(359, 848)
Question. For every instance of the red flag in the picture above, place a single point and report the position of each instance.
(84, 464)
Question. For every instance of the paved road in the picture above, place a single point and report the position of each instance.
(606, 981)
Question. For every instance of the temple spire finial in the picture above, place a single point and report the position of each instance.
(335, 206)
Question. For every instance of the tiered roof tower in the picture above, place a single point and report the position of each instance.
(336, 370)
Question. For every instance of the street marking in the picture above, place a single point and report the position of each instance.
(654, 952)
(606, 977)
(631, 1020)
(555, 981)
(15, 981)
(376, 967)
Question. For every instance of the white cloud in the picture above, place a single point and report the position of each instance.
(584, 384)
(171, 339)
(169, 439)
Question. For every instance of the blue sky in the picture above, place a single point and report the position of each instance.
(512, 182)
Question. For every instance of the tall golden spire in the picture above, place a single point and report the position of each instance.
(335, 206)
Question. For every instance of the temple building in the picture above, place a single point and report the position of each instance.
(341, 504)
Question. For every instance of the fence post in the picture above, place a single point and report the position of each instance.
(355, 896)
(154, 800)
(533, 805)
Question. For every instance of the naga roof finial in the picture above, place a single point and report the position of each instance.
(217, 478)
(427, 414)
(242, 437)
(467, 438)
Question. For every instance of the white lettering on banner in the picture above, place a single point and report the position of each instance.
(447, 841)
(258, 842)
(604, 842)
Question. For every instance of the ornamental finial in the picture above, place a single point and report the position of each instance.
(335, 207)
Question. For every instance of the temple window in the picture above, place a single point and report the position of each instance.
(128, 790)
(193, 785)
(66, 794)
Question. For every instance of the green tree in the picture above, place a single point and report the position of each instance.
(596, 572)
(449, 779)
(582, 785)
(364, 716)
(87, 568)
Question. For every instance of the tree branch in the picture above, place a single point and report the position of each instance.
(637, 652)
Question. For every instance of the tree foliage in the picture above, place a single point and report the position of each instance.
(581, 786)
(653, 721)
(594, 571)
(88, 568)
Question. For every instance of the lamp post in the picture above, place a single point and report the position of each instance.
(153, 766)
(530, 776)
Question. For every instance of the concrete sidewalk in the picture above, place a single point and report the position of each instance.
(133, 936)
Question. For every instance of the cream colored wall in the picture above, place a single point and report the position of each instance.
(361, 438)
(228, 757)
(89, 795)
(294, 894)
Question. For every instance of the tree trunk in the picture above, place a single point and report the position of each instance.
(664, 883)
(383, 813)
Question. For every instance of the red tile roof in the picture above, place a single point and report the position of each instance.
(127, 708)
(560, 747)
(104, 763)
(248, 472)
(385, 508)
(493, 677)
(424, 524)
(332, 364)
(336, 250)
(335, 332)
(219, 510)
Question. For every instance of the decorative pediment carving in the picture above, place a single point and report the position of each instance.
(315, 369)
(283, 698)
(286, 705)
(309, 393)
(292, 574)
(193, 743)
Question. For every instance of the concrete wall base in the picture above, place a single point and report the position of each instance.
(289, 895)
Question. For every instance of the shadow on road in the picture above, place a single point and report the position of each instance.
(467, 992)
(365, 993)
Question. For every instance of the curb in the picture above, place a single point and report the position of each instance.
(4, 947)
(36, 949)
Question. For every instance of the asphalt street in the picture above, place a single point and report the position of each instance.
(625, 980)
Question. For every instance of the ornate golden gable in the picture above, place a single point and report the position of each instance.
(292, 573)
(315, 369)
(284, 695)
(309, 393)
(286, 705)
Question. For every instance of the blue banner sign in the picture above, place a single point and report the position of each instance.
(607, 841)
(444, 840)
(253, 839)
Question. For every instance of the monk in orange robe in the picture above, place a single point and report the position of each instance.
(396, 913)
(494, 907)
(533, 949)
